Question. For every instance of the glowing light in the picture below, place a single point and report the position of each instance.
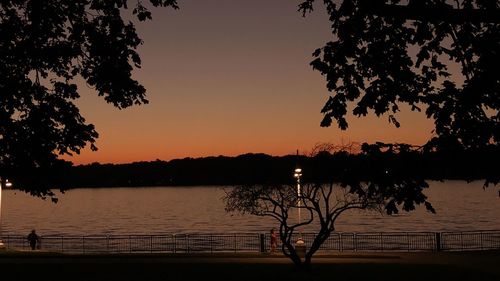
(2, 246)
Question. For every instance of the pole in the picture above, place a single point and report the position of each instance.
(297, 174)
(298, 193)
(1, 186)
(298, 184)
(3, 183)
(262, 246)
(2, 246)
(438, 241)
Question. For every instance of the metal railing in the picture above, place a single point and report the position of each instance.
(256, 242)
(471, 240)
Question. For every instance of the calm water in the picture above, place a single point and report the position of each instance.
(460, 206)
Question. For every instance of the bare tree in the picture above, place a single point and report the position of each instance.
(323, 203)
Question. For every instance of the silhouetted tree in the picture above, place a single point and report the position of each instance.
(390, 187)
(326, 162)
(44, 47)
(388, 53)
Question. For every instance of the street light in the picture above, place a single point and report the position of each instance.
(3, 183)
(300, 246)
(297, 175)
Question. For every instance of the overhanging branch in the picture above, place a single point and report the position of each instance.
(431, 13)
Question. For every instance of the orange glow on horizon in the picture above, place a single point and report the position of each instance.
(230, 79)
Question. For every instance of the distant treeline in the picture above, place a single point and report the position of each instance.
(262, 168)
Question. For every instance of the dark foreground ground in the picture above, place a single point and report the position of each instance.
(483, 265)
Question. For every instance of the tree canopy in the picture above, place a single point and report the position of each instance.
(385, 54)
(44, 47)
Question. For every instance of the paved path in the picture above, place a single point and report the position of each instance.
(250, 266)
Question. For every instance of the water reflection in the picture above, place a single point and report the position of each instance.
(460, 206)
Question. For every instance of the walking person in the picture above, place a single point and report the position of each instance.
(274, 240)
(33, 239)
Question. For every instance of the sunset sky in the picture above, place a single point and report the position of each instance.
(227, 77)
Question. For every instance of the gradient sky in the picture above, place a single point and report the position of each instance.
(227, 77)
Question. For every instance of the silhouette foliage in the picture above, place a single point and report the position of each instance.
(386, 177)
(253, 169)
(44, 47)
(378, 179)
(385, 54)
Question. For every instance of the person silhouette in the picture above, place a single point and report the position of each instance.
(33, 239)
(274, 240)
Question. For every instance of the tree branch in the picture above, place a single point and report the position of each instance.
(463, 58)
(430, 13)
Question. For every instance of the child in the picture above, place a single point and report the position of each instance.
(274, 240)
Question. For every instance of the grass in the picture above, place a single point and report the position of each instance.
(250, 266)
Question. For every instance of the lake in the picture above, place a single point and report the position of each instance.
(460, 206)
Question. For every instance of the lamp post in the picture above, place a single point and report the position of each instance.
(300, 246)
(297, 175)
(3, 183)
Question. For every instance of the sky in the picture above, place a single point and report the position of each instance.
(229, 77)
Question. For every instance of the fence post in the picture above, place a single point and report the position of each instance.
(211, 243)
(234, 239)
(130, 244)
(341, 248)
(438, 241)
(174, 240)
(62, 244)
(262, 246)
(83, 244)
(355, 242)
(408, 241)
(151, 243)
(381, 242)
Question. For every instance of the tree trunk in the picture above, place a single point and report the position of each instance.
(292, 254)
(307, 263)
(318, 241)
